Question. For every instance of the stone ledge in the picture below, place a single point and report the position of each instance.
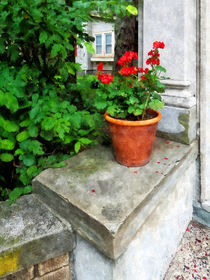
(30, 234)
(103, 200)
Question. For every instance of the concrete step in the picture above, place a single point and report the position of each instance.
(128, 221)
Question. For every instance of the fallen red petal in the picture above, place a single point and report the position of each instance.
(165, 158)
(158, 161)
(156, 171)
(188, 229)
(195, 270)
(167, 142)
(207, 238)
(195, 265)
(204, 277)
(178, 146)
(206, 254)
(135, 171)
(93, 191)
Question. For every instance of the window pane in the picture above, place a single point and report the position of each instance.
(98, 49)
(109, 39)
(108, 43)
(108, 48)
(98, 44)
(98, 40)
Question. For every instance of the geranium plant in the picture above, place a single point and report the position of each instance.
(129, 94)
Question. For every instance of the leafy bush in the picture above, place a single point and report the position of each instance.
(43, 120)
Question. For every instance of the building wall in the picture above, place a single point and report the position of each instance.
(89, 62)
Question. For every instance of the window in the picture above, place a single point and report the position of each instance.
(98, 44)
(108, 42)
(104, 44)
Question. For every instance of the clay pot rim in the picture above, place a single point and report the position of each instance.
(134, 123)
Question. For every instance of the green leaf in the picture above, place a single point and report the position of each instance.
(100, 103)
(22, 136)
(137, 112)
(29, 159)
(9, 100)
(9, 126)
(77, 147)
(7, 144)
(19, 152)
(131, 109)
(47, 135)
(132, 10)
(89, 47)
(25, 123)
(48, 123)
(111, 110)
(156, 104)
(59, 164)
(55, 50)
(69, 68)
(32, 170)
(85, 141)
(14, 194)
(43, 37)
(33, 130)
(33, 146)
(6, 157)
(68, 139)
(27, 189)
(160, 68)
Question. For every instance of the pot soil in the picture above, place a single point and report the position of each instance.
(133, 140)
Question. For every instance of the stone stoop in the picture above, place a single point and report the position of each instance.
(128, 221)
(34, 244)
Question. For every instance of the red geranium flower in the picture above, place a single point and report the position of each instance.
(158, 45)
(128, 70)
(148, 61)
(153, 61)
(140, 70)
(105, 78)
(127, 58)
(100, 67)
(143, 77)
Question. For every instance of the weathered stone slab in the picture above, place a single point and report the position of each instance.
(148, 255)
(178, 124)
(30, 234)
(107, 203)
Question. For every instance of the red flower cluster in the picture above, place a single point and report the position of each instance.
(141, 70)
(100, 67)
(127, 58)
(158, 45)
(154, 59)
(105, 78)
(128, 70)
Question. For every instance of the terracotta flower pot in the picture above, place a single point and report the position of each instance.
(133, 140)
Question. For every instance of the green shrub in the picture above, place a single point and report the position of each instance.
(43, 120)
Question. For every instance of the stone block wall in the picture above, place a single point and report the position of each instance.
(53, 269)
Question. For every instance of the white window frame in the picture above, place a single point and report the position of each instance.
(103, 53)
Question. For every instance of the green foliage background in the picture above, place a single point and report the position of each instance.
(44, 116)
